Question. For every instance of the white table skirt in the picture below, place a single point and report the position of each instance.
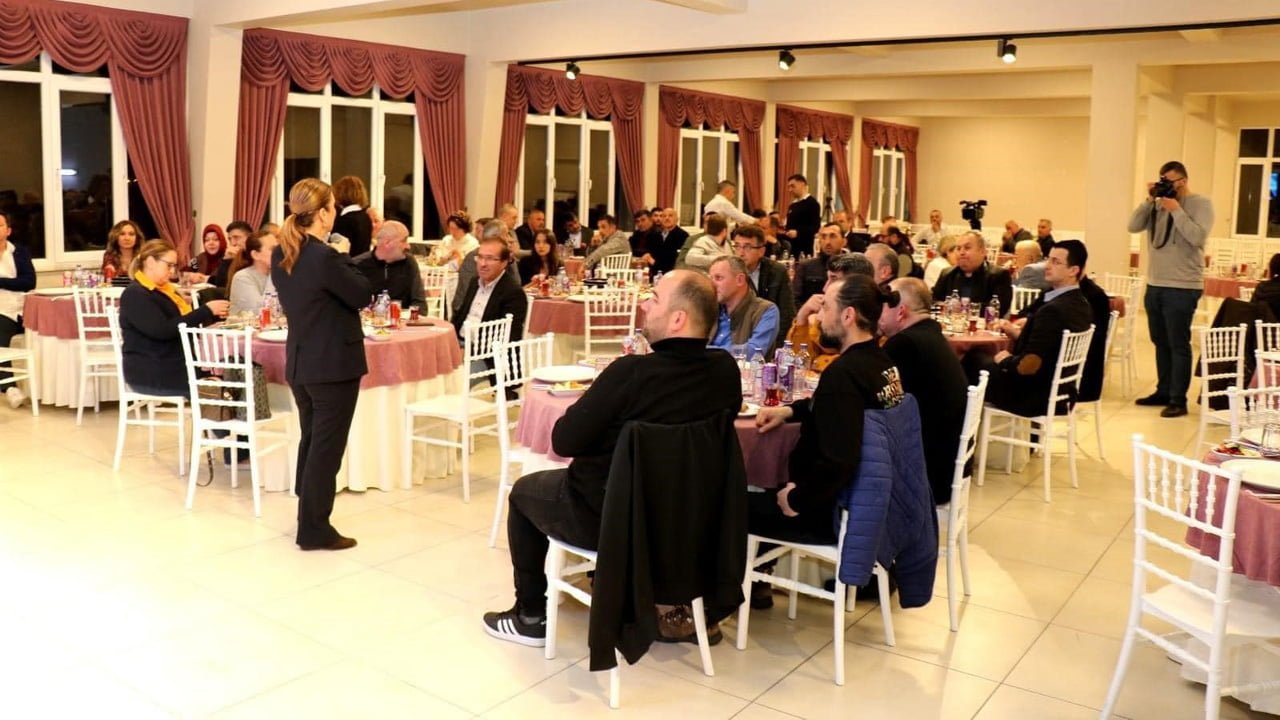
(1244, 665)
(374, 444)
(58, 363)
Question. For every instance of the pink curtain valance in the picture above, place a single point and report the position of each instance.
(877, 134)
(541, 90)
(273, 58)
(796, 124)
(678, 106)
(146, 58)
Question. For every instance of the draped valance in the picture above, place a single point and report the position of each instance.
(796, 124)
(679, 106)
(877, 134)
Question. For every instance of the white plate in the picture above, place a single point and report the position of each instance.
(1258, 473)
(751, 411)
(53, 291)
(276, 335)
(564, 373)
(577, 297)
(566, 393)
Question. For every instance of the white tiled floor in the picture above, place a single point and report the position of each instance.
(119, 603)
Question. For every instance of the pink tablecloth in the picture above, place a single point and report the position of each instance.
(765, 455)
(51, 316)
(565, 317)
(1222, 287)
(1256, 553)
(411, 355)
(573, 266)
(1118, 304)
(993, 344)
(1133, 259)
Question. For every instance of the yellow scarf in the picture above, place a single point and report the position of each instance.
(183, 306)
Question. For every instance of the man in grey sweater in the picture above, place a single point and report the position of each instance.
(1177, 227)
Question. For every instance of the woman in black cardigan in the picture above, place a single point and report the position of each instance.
(322, 293)
(353, 221)
(1268, 291)
(150, 312)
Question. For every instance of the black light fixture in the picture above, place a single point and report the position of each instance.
(571, 70)
(1006, 51)
(785, 60)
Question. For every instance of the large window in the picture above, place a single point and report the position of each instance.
(816, 166)
(1258, 184)
(568, 166)
(888, 184)
(64, 175)
(706, 158)
(329, 134)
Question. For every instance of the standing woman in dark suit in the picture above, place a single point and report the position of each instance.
(353, 221)
(322, 293)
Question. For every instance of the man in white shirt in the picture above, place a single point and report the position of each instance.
(931, 235)
(723, 204)
(17, 276)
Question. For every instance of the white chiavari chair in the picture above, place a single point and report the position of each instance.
(610, 316)
(1095, 406)
(1246, 293)
(96, 350)
(954, 516)
(132, 403)
(1252, 408)
(1123, 347)
(1221, 359)
(517, 361)
(435, 285)
(28, 371)
(1022, 298)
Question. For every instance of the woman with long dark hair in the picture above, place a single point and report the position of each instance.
(322, 293)
(123, 243)
(545, 259)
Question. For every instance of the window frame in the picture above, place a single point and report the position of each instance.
(1265, 162)
(586, 126)
(723, 137)
(325, 101)
(897, 183)
(52, 85)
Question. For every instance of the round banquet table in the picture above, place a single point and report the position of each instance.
(1256, 562)
(765, 455)
(568, 320)
(415, 364)
(1226, 287)
(962, 344)
(54, 338)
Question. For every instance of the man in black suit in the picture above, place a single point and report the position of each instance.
(930, 370)
(645, 238)
(973, 278)
(1095, 366)
(536, 220)
(768, 278)
(811, 275)
(804, 215)
(1021, 379)
(670, 238)
(575, 236)
(493, 292)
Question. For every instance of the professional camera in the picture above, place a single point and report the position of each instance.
(973, 210)
(1163, 188)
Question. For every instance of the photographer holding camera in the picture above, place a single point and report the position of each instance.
(1177, 224)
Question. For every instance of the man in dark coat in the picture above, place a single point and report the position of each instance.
(804, 216)
(973, 277)
(768, 278)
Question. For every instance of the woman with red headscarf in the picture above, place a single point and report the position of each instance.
(207, 262)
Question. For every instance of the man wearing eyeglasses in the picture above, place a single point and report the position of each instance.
(768, 278)
(492, 292)
(1177, 223)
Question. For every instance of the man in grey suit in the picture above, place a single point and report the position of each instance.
(1029, 266)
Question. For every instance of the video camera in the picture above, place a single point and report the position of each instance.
(973, 210)
(1164, 188)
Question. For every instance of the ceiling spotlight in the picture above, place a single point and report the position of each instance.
(571, 70)
(1006, 51)
(786, 60)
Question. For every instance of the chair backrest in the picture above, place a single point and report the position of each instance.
(610, 315)
(960, 481)
(117, 345)
(220, 360)
(518, 361)
(1249, 252)
(1252, 407)
(1224, 255)
(1112, 327)
(434, 306)
(621, 261)
(433, 277)
(993, 254)
(1246, 293)
(478, 345)
(1070, 367)
(1190, 500)
(1117, 285)
(92, 306)
(1022, 297)
(1219, 346)
(1268, 335)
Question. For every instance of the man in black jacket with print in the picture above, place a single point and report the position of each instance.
(681, 381)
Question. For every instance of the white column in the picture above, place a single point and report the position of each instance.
(486, 89)
(652, 123)
(1113, 111)
(213, 100)
(769, 156)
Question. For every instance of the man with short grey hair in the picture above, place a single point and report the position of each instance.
(745, 318)
(884, 260)
(1029, 265)
(723, 204)
(467, 270)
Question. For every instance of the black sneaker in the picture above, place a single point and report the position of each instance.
(1152, 400)
(509, 626)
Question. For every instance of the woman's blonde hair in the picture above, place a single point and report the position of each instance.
(946, 244)
(350, 190)
(150, 249)
(307, 197)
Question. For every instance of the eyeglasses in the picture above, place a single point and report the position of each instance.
(171, 263)
(744, 246)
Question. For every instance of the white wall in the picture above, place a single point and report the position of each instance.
(1025, 168)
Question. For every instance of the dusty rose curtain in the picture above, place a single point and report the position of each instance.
(619, 100)
(678, 106)
(146, 56)
(272, 58)
(888, 135)
(795, 124)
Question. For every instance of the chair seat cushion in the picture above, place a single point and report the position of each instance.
(1244, 618)
(451, 406)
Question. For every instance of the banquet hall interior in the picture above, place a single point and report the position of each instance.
(126, 599)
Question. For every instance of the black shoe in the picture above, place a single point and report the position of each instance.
(761, 595)
(1173, 411)
(1152, 400)
(342, 543)
(509, 626)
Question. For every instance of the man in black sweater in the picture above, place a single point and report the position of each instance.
(536, 220)
(665, 241)
(931, 371)
(811, 275)
(973, 278)
(804, 215)
(681, 381)
(388, 266)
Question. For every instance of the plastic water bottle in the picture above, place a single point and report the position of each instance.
(757, 383)
(639, 344)
(993, 312)
(785, 360)
(801, 365)
(562, 281)
(744, 371)
(78, 276)
(382, 310)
